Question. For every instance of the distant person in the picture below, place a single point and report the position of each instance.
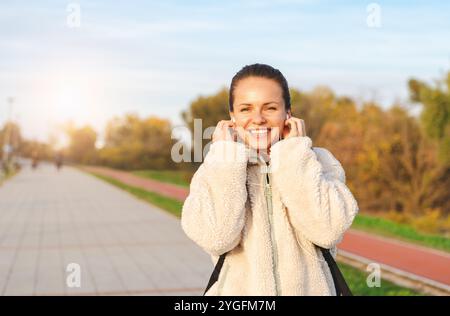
(59, 160)
(271, 209)
(34, 159)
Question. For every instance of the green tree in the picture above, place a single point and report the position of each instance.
(44, 150)
(314, 107)
(10, 134)
(135, 143)
(435, 116)
(81, 144)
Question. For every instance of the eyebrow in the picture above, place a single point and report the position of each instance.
(266, 103)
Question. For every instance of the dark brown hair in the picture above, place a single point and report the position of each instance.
(264, 71)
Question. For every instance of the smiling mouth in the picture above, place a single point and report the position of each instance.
(259, 131)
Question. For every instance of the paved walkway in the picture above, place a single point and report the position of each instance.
(421, 261)
(123, 246)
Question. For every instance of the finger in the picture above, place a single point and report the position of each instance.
(295, 130)
(229, 125)
(287, 128)
(225, 125)
(303, 128)
(299, 127)
(231, 130)
(288, 122)
(220, 129)
(240, 131)
(292, 128)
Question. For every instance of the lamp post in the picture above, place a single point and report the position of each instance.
(7, 147)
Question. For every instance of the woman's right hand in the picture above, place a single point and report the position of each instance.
(225, 130)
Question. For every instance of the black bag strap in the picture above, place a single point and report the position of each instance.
(215, 275)
(340, 285)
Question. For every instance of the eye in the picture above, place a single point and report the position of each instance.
(245, 109)
(272, 108)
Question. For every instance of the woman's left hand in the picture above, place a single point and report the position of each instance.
(294, 127)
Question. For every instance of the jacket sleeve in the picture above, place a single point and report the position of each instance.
(213, 214)
(312, 187)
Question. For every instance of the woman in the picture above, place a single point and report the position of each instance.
(266, 197)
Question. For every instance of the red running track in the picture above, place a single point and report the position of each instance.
(418, 260)
(166, 189)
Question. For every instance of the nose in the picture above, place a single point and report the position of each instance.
(257, 118)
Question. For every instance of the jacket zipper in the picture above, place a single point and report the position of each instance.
(268, 195)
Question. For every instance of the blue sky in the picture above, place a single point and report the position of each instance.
(155, 57)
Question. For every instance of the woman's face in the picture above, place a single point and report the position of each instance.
(259, 108)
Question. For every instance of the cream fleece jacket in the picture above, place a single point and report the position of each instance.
(269, 222)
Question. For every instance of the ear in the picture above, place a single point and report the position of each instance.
(288, 114)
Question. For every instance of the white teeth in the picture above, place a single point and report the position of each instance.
(259, 131)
